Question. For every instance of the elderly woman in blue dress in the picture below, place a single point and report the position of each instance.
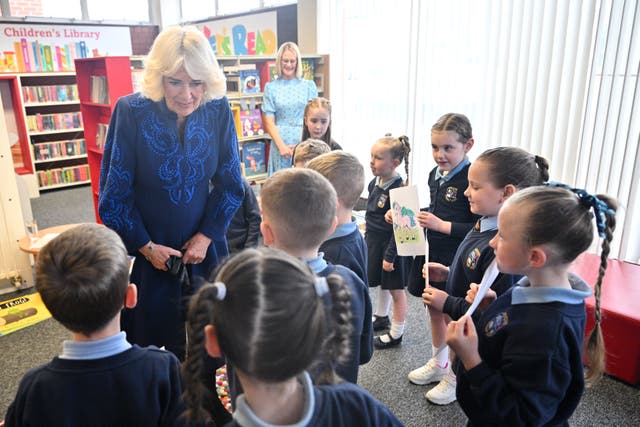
(170, 180)
(283, 105)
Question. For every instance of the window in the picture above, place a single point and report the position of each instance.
(228, 7)
(47, 8)
(118, 10)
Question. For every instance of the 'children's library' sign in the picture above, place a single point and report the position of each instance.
(243, 35)
(42, 47)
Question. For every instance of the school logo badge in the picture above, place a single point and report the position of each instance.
(382, 200)
(451, 195)
(494, 325)
(472, 259)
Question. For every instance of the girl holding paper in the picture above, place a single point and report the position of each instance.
(384, 268)
(523, 365)
(494, 177)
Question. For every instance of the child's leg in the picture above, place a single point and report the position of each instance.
(399, 312)
(439, 350)
(384, 302)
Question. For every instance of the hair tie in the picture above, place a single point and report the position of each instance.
(600, 207)
(222, 290)
(322, 288)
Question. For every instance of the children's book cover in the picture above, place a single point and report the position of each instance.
(308, 69)
(249, 81)
(267, 73)
(254, 159)
(21, 312)
(251, 122)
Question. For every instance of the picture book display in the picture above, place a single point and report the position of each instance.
(408, 234)
(254, 159)
(249, 81)
(251, 122)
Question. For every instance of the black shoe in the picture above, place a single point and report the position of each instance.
(379, 344)
(380, 323)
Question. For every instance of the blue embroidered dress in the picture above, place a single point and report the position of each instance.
(155, 187)
(286, 99)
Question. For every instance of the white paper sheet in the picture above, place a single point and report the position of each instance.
(487, 280)
(407, 232)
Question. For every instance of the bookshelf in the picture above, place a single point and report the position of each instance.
(101, 81)
(54, 128)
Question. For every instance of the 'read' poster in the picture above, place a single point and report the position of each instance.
(28, 48)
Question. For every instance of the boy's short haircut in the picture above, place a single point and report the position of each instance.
(345, 172)
(301, 206)
(310, 149)
(82, 276)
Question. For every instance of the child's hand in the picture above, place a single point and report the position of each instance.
(437, 272)
(434, 297)
(286, 151)
(388, 217)
(387, 266)
(430, 221)
(461, 336)
(489, 297)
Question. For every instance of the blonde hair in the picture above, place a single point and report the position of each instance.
(344, 171)
(309, 149)
(291, 47)
(177, 47)
(399, 149)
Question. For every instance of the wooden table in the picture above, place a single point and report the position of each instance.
(25, 243)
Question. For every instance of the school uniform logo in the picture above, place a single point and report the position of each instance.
(472, 259)
(382, 200)
(494, 325)
(451, 194)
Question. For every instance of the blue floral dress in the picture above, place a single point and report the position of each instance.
(155, 186)
(286, 99)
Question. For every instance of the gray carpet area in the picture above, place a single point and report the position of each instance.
(608, 403)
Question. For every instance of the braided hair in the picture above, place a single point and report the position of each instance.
(268, 311)
(568, 235)
(399, 148)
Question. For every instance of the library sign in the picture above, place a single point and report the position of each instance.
(40, 47)
(243, 35)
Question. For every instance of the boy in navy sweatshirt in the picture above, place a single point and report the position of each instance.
(99, 378)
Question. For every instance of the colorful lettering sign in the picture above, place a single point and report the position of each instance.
(42, 47)
(243, 35)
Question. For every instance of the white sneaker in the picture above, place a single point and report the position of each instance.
(445, 392)
(429, 373)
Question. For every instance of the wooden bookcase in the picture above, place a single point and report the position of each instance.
(115, 73)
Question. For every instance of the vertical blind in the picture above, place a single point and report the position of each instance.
(558, 78)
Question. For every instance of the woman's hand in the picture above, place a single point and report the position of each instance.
(286, 151)
(434, 298)
(387, 266)
(196, 249)
(461, 336)
(158, 255)
(437, 272)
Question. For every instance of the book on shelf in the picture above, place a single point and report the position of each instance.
(251, 122)
(267, 73)
(249, 81)
(308, 69)
(99, 89)
(227, 69)
(101, 134)
(254, 159)
(57, 121)
(56, 93)
(57, 176)
(59, 149)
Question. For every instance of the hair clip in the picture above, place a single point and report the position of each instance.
(321, 286)
(600, 207)
(221, 290)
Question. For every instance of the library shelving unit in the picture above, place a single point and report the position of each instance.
(55, 129)
(101, 81)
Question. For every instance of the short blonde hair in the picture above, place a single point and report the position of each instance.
(291, 47)
(182, 46)
(309, 149)
(344, 171)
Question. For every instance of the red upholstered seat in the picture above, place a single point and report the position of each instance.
(620, 304)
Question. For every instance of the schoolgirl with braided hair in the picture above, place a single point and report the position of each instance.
(523, 363)
(272, 318)
(385, 269)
